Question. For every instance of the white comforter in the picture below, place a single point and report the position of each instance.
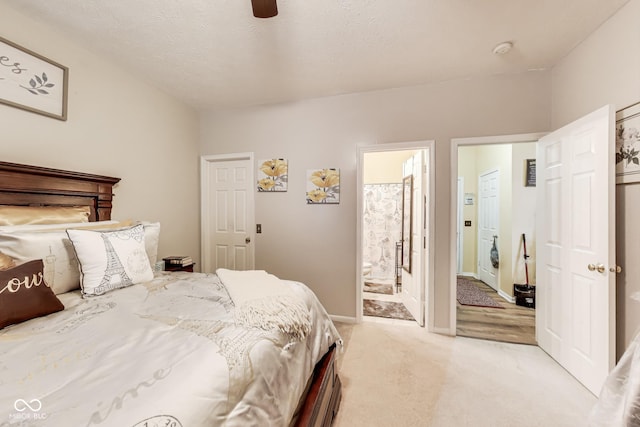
(619, 401)
(166, 353)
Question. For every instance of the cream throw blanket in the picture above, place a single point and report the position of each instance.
(263, 301)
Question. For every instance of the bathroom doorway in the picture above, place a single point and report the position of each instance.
(393, 255)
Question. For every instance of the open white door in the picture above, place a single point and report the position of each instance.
(227, 212)
(575, 299)
(413, 282)
(488, 225)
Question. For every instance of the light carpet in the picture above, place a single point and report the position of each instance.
(402, 375)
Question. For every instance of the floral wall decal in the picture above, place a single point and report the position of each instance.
(323, 186)
(273, 175)
(628, 144)
(31, 82)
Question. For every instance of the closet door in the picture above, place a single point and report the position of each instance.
(227, 213)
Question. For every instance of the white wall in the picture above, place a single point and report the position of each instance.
(605, 69)
(317, 244)
(118, 126)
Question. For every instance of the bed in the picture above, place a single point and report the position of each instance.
(168, 350)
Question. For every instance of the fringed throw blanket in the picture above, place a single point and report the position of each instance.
(263, 301)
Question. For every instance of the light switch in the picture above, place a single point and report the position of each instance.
(258, 228)
(467, 223)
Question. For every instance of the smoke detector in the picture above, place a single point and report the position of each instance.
(502, 48)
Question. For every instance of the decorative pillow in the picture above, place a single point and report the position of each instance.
(110, 259)
(151, 241)
(24, 294)
(53, 247)
(16, 215)
(61, 269)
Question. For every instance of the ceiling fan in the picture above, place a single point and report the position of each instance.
(264, 8)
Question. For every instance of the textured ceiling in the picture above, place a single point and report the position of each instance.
(215, 54)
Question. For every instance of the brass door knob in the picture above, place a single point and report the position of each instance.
(600, 268)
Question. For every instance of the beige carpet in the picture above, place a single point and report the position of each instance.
(401, 375)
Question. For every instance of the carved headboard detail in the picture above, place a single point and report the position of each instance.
(38, 186)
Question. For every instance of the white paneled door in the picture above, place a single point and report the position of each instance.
(413, 289)
(488, 220)
(227, 212)
(575, 294)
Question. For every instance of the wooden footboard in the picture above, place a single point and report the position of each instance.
(323, 397)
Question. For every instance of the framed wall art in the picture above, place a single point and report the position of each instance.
(31, 82)
(273, 175)
(323, 186)
(407, 221)
(628, 144)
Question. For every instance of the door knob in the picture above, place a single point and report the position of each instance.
(615, 269)
(600, 268)
(247, 240)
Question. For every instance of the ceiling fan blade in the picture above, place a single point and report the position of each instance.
(264, 8)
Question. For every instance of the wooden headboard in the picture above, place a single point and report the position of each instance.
(26, 185)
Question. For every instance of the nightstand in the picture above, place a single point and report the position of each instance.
(178, 263)
(174, 267)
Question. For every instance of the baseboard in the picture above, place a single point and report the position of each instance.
(506, 296)
(342, 319)
(443, 331)
(468, 274)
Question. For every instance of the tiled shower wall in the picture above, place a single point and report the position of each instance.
(382, 227)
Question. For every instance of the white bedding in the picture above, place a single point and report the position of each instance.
(619, 401)
(166, 353)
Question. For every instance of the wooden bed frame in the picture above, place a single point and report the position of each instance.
(26, 185)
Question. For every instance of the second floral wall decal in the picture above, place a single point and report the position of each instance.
(273, 175)
(323, 186)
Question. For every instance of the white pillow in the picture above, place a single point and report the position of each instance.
(151, 241)
(110, 259)
(51, 244)
(55, 250)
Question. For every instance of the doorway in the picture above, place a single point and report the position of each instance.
(497, 208)
(227, 212)
(395, 183)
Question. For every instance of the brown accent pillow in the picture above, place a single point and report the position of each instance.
(25, 295)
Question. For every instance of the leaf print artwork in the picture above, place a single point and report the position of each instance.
(37, 84)
(32, 82)
(323, 186)
(273, 175)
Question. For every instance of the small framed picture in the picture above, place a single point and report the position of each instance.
(323, 186)
(273, 175)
